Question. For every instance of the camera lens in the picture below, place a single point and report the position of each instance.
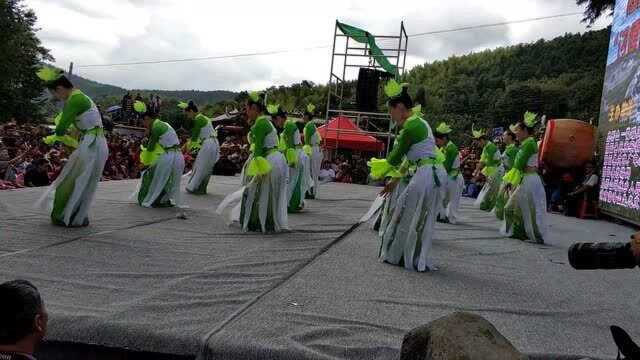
(592, 256)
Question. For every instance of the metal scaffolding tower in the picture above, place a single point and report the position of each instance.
(345, 65)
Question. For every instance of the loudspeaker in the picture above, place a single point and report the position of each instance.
(367, 89)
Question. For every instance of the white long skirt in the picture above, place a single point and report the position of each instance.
(315, 164)
(385, 213)
(407, 236)
(299, 182)
(203, 166)
(160, 183)
(452, 197)
(261, 204)
(486, 200)
(70, 196)
(526, 211)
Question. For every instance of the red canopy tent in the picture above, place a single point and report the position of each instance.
(342, 133)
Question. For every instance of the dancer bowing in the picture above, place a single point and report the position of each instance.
(160, 181)
(204, 141)
(455, 182)
(290, 145)
(489, 166)
(312, 141)
(71, 194)
(526, 210)
(508, 158)
(406, 238)
(262, 201)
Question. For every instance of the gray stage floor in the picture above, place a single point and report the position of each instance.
(143, 280)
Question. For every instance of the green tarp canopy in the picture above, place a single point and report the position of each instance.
(365, 37)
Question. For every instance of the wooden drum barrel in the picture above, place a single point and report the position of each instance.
(567, 143)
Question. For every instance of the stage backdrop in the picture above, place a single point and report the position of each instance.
(619, 126)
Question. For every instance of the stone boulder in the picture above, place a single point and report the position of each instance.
(459, 336)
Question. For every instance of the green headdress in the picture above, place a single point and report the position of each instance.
(444, 129)
(477, 134)
(256, 97)
(183, 105)
(530, 119)
(49, 74)
(392, 89)
(311, 109)
(139, 107)
(273, 109)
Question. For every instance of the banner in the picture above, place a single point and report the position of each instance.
(619, 126)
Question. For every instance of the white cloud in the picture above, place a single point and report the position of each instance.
(112, 31)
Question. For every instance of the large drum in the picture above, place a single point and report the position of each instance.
(567, 143)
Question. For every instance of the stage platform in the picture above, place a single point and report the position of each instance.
(141, 283)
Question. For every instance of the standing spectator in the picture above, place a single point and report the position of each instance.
(37, 173)
(23, 320)
(127, 107)
(158, 103)
(138, 118)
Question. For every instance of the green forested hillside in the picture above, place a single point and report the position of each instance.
(560, 78)
(111, 95)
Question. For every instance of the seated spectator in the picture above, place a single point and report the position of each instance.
(474, 187)
(327, 173)
(587, 191)
(23, 320)
(560, 193)
(37, 173)
(344, 174)
(8, 171)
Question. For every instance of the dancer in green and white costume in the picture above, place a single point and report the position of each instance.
(406, 238)
(491, 167)
(508, 158)
(312, 148)
(455, 182)
(290, 145)
(526, 210)
(262, 201)
(160, 182)
(204, 141)
(71, 194)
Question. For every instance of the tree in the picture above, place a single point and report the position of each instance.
(20, 55)
(596, 8)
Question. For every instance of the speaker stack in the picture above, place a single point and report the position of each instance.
(367, 89)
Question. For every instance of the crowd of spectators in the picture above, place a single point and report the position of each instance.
(344, 169)
(25, 160)
(234, 152)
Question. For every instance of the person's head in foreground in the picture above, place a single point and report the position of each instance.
(23, 318)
